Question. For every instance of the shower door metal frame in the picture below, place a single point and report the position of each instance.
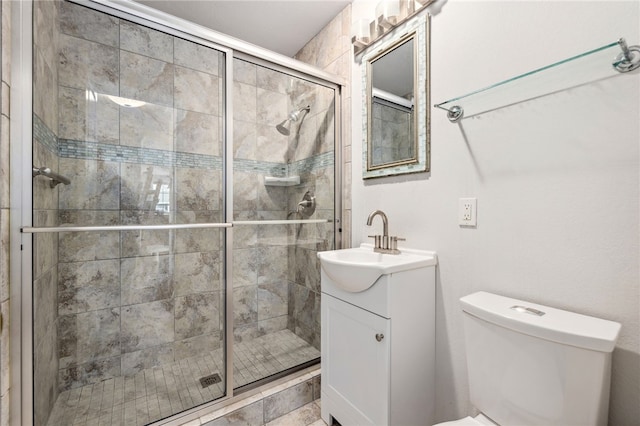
(21, 331)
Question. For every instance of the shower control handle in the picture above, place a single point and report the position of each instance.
(379, 337)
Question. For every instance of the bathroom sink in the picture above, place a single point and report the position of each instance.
(357, 269)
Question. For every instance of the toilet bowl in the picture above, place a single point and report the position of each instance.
(531, 364)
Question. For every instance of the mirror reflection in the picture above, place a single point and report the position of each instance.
(392, 112)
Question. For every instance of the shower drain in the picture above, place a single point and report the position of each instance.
(210, 380)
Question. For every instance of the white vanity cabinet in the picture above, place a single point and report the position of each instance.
(378, 350)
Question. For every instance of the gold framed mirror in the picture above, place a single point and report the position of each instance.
(396, 96)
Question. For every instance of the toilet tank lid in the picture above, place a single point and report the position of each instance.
(555, 324)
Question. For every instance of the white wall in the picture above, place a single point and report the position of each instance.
(557, 180)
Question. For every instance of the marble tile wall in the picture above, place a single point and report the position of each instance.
(331, 51)
(136, 299)
(45, 207)
(260, 263)
(5, 205)
(276, 275)
(314, 138)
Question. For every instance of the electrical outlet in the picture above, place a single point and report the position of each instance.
(467, 212)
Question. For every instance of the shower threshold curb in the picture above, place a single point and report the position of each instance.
(218, 410)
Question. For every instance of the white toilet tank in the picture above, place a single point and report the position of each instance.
(530, 364)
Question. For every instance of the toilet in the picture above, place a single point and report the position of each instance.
(530, 364)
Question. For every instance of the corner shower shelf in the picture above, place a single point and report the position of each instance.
(282, 181)
(593, 65)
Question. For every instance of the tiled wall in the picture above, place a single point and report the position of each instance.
(45, 207)
(259, 255)
(274, 270)
(331, 51)
(154, 296)
(5, 77)
(315, 137)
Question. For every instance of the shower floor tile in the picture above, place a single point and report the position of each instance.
(162, 391)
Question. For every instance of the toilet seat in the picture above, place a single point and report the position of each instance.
(479, 420)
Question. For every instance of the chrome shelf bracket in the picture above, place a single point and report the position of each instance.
(629, 59)
(454, 114)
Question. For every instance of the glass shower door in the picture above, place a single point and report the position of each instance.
(128, 268)
(283, 211)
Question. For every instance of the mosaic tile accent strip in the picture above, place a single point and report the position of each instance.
(159, 392)
(262, 167)
(128, 154)
(44, 135)
(310, 164)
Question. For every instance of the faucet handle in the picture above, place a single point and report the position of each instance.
(377, 240)
(393, 245)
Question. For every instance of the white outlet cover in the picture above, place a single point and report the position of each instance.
(468, 212)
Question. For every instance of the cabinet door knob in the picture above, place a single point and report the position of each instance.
(379, 337)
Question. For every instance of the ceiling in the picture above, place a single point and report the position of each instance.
(282, 26)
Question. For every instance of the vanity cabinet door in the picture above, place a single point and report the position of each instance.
(355, 360)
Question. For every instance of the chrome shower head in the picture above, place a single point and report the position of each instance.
(294, 116)
(282, 127)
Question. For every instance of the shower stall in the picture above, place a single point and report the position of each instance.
(175, 217)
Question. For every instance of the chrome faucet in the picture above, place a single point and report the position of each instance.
(383, 243)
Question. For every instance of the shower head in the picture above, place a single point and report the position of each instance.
(293, 116)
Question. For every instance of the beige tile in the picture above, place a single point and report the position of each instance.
(95, 184)
(145, 41)
(197, 91)
(244, 72)
(271, 146)
(303, 416)
(198, 189)
(6, 41)
(82, 22)
(198, 133)
(5, 349)
(197, 240)
(146, 279)
(4, 163)
(45, 92)
(244, 140)
(197, 272)
(84, 64)
(284, 402)
(87, 120)
(271, 108)
(4, 254)
(197, 57)
(273, 81)
(149, 126)
(146, 79)
(244, 98)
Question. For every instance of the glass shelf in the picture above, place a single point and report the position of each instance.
(578, 70)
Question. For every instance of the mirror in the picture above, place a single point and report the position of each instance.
(396, 140)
